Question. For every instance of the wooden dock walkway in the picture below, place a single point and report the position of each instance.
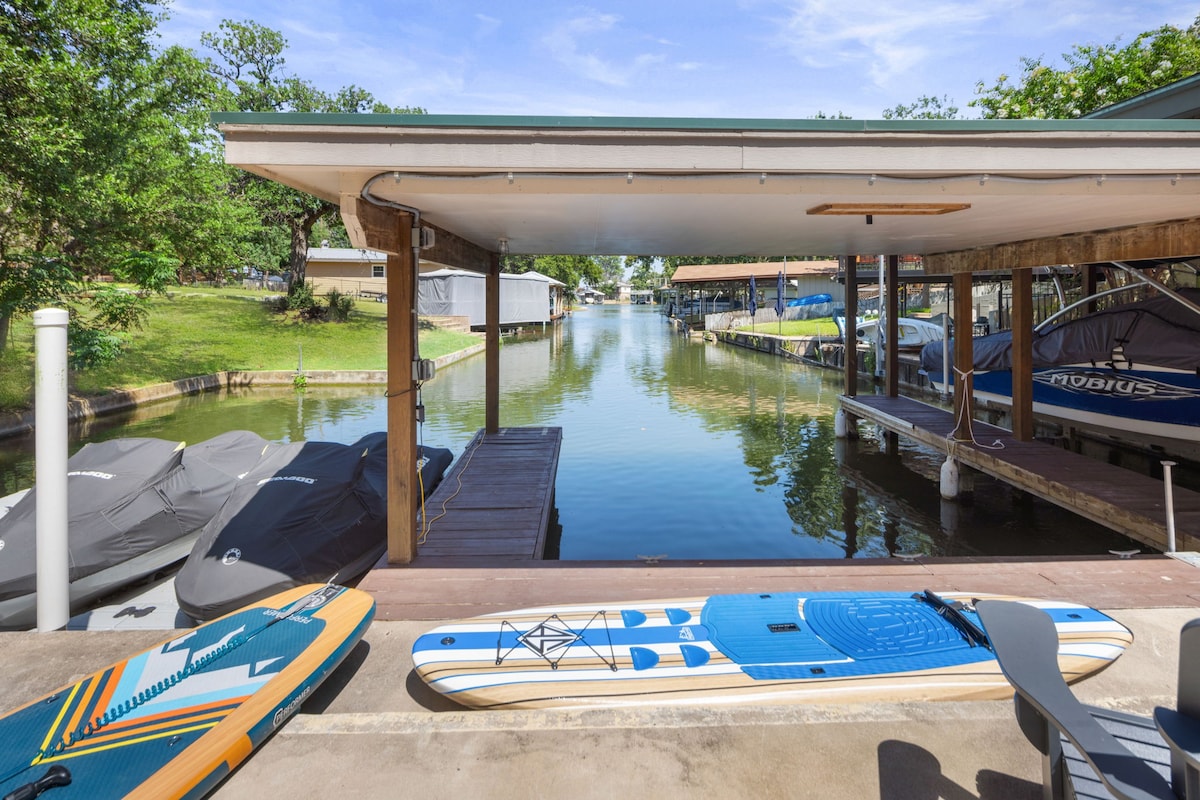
(1125, 501)
(439, 590)
(496, 501)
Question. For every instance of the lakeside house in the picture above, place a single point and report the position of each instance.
(350, 270)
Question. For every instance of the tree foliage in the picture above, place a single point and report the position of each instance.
(924, 107)
(104, 149)
(570, 269)
(251, 71)
(1094, 76)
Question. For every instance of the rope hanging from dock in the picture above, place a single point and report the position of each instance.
(960, 377)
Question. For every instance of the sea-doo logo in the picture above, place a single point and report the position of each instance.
(232, 556)
(295, 478)
(1112, 384)
(91, 473)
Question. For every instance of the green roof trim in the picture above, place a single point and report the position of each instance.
(707, 124)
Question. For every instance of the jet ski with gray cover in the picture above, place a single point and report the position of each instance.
(309, 512)
(134, 507)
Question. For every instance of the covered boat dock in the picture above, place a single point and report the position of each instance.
(967, 195)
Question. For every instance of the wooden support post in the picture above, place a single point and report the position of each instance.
(402, 397)
(1089, 284)
(491, 392)
(851, 340)
(964, 355)
(891, 366)
(1022, 354)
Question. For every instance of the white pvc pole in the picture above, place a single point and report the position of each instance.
(50, 469)
(1169, 501)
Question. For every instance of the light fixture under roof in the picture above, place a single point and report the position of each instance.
(887, 209)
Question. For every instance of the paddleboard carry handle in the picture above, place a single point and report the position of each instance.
(56, 776)
(952, 613)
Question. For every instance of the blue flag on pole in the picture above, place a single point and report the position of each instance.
(753, 297)
(779, 299)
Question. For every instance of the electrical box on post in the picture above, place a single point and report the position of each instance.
(423, 370)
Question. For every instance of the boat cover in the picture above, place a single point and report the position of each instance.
(308, 512)
(125, 498)
(1157, 332)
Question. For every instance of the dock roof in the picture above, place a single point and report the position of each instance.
(966, 194)
(763, 270)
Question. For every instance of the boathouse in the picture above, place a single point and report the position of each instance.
(526, 299)
(968, 196)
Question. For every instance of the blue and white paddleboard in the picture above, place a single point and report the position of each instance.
(757, 648)
(174, 720)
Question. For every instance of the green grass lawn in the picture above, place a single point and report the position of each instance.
(822, 326)
(201, 331)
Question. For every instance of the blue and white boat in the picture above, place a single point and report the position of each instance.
(1131, 371)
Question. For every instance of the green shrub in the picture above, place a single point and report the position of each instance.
(89, 347)
(301, 298)
(339, 306)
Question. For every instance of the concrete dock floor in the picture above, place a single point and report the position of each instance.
(374, 730)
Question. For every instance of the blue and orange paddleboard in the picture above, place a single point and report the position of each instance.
(174, 720)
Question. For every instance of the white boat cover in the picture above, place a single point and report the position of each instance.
(458, 293)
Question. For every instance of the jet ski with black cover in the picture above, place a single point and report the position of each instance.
(135, 507)
(308, 512)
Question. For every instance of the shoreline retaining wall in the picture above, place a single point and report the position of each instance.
(80, 408)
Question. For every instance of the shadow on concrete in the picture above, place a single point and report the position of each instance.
(428, 698)
(909, 772)
(328, 691)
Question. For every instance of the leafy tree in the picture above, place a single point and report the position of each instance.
(571, 270)
(612, 269)
(1094, 76)
(102, 151)
(251, 69)
(645, 276)
(925, 107)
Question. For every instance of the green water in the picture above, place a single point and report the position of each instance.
(672, 447)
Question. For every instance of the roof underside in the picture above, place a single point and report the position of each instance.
(731, 188)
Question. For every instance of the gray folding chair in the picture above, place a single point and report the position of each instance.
(1090, 752)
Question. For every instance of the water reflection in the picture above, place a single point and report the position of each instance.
(672, 447)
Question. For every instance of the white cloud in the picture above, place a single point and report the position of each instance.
(885, 40)
(573, 43)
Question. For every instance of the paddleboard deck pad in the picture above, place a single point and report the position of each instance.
(757, 648)
(174, 720)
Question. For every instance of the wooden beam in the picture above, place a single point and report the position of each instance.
(375, 227)
(491, 347)
(964, 356)
(401, 392)
(1174, 239)
(370, 226)
(850, 345)
(892, 350)
(454, 251)
(1022, 354)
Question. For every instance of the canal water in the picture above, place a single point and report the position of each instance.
(673, 448)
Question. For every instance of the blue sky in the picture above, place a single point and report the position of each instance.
(673, 58)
